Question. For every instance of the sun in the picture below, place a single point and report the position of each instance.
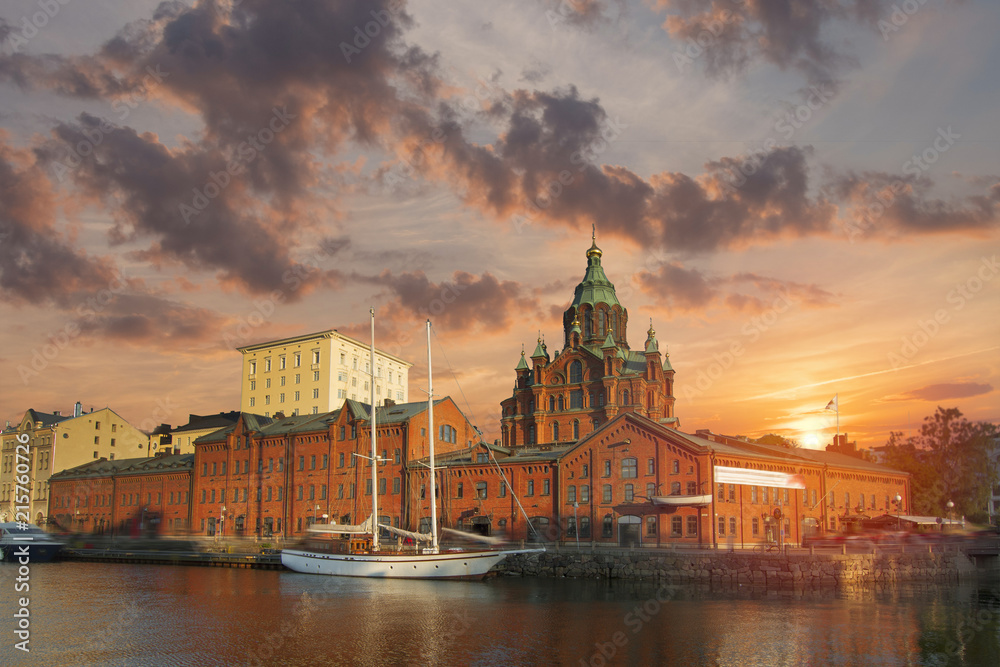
(810, 440)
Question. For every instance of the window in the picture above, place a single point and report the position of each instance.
(252, 401)
(732, 493)
(692, 526)
(722, 526)
(692, 488)
(545, 487)
(316, 393)
(531, 487)
(281, 397)
(340, 491)
(576, 374)
(312, 462)
(630, 468)
(302, 462)
(503, 490)
(721, 492)
(755, 527)
(651, 490)
(571, 493)
(297, 396)
(298, 378)
(607, 469)
(397, 455)
(300, 492)
(297, 359)
(267, 383)
(381, 486)
(753, 495)
(651, 467)
(861, 501)
(675, 526)
(97, 426)
(607, 528)
(576, 399)
(459, 490)
(763, 495)
(584, 493)
(323, 467)
(253, 385)
(606, 493)
(480, 490)
(629, 493)
(396, 485)
(732, 525)
(315, 356)
(847, 499)
(651, 526)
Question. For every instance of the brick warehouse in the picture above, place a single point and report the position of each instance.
(590, 447)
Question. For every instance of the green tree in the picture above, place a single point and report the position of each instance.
(949, 460)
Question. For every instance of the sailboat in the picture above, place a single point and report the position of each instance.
(361, 554)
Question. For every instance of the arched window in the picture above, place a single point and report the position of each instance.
(531, 434)
(600, 322)
(552, 403)
(576, 429)
(625, 398)
(555, 431)
(561, 404)
(576, 400)
(586, 323)
(575, 372)
(675, 489)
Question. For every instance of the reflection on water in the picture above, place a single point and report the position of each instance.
(101, 614)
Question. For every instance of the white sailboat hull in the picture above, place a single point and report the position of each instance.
(445, 565)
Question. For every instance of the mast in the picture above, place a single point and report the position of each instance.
(430, 431)
(374, 450)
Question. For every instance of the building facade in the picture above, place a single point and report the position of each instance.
(315, 373)
(51, 442)
(593, 378)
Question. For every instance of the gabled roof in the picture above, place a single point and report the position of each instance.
(391, 414)
(140, 466)
(251, 422)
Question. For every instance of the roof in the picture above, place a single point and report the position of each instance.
(390, 414)
(595, 287)
(325, 334)
(47, 418)
(140, 466)
(251, 422)
(202, 422)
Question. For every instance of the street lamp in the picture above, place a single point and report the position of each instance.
(950, 505)
(899, 510)
(222, 520)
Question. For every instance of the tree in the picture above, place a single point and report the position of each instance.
(775, 439)
(948, 461)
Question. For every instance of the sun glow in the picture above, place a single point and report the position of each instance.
(810, 440)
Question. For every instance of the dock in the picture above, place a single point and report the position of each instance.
(260, 561)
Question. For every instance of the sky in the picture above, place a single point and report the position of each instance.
(803, 196)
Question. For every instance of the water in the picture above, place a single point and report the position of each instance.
(115, 614)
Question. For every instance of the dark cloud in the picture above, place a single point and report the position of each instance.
(946, 391)
(466, 302)
(272, 82)
(887, 205)
(144, 319)
(690, 290)
(38, 264)
(791, 34)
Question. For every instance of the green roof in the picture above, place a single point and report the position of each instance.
(595, 287)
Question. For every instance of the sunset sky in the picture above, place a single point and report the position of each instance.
(806, 203)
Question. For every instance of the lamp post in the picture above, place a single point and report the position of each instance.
(950, 505)
(222, 520)
(899, 510)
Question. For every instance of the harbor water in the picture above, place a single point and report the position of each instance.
(122, 614)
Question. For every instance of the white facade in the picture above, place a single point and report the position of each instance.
(316, 373)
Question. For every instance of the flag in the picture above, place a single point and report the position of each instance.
(832, 405)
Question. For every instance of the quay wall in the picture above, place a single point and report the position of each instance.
(797, 569)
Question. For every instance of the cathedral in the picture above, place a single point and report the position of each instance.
(595, 377)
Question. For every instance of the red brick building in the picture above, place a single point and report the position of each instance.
(123, 497)
(269, 477)
(595, 376)
(635, 482)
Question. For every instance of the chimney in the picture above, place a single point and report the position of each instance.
(56, 413)
(78, 409)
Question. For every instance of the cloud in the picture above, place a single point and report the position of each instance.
(37, 264)
(944, 392)
(690, 290)
(142, 319)
(272, 83)
(466, 302)
(730, 36)
(885, 205)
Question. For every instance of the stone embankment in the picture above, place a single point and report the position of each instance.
(797, 569)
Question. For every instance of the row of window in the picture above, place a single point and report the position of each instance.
(127, 499)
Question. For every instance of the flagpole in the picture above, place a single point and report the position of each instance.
(836, 398)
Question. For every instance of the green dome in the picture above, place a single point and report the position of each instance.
(595, 287)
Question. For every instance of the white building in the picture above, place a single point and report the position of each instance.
(316, 373)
